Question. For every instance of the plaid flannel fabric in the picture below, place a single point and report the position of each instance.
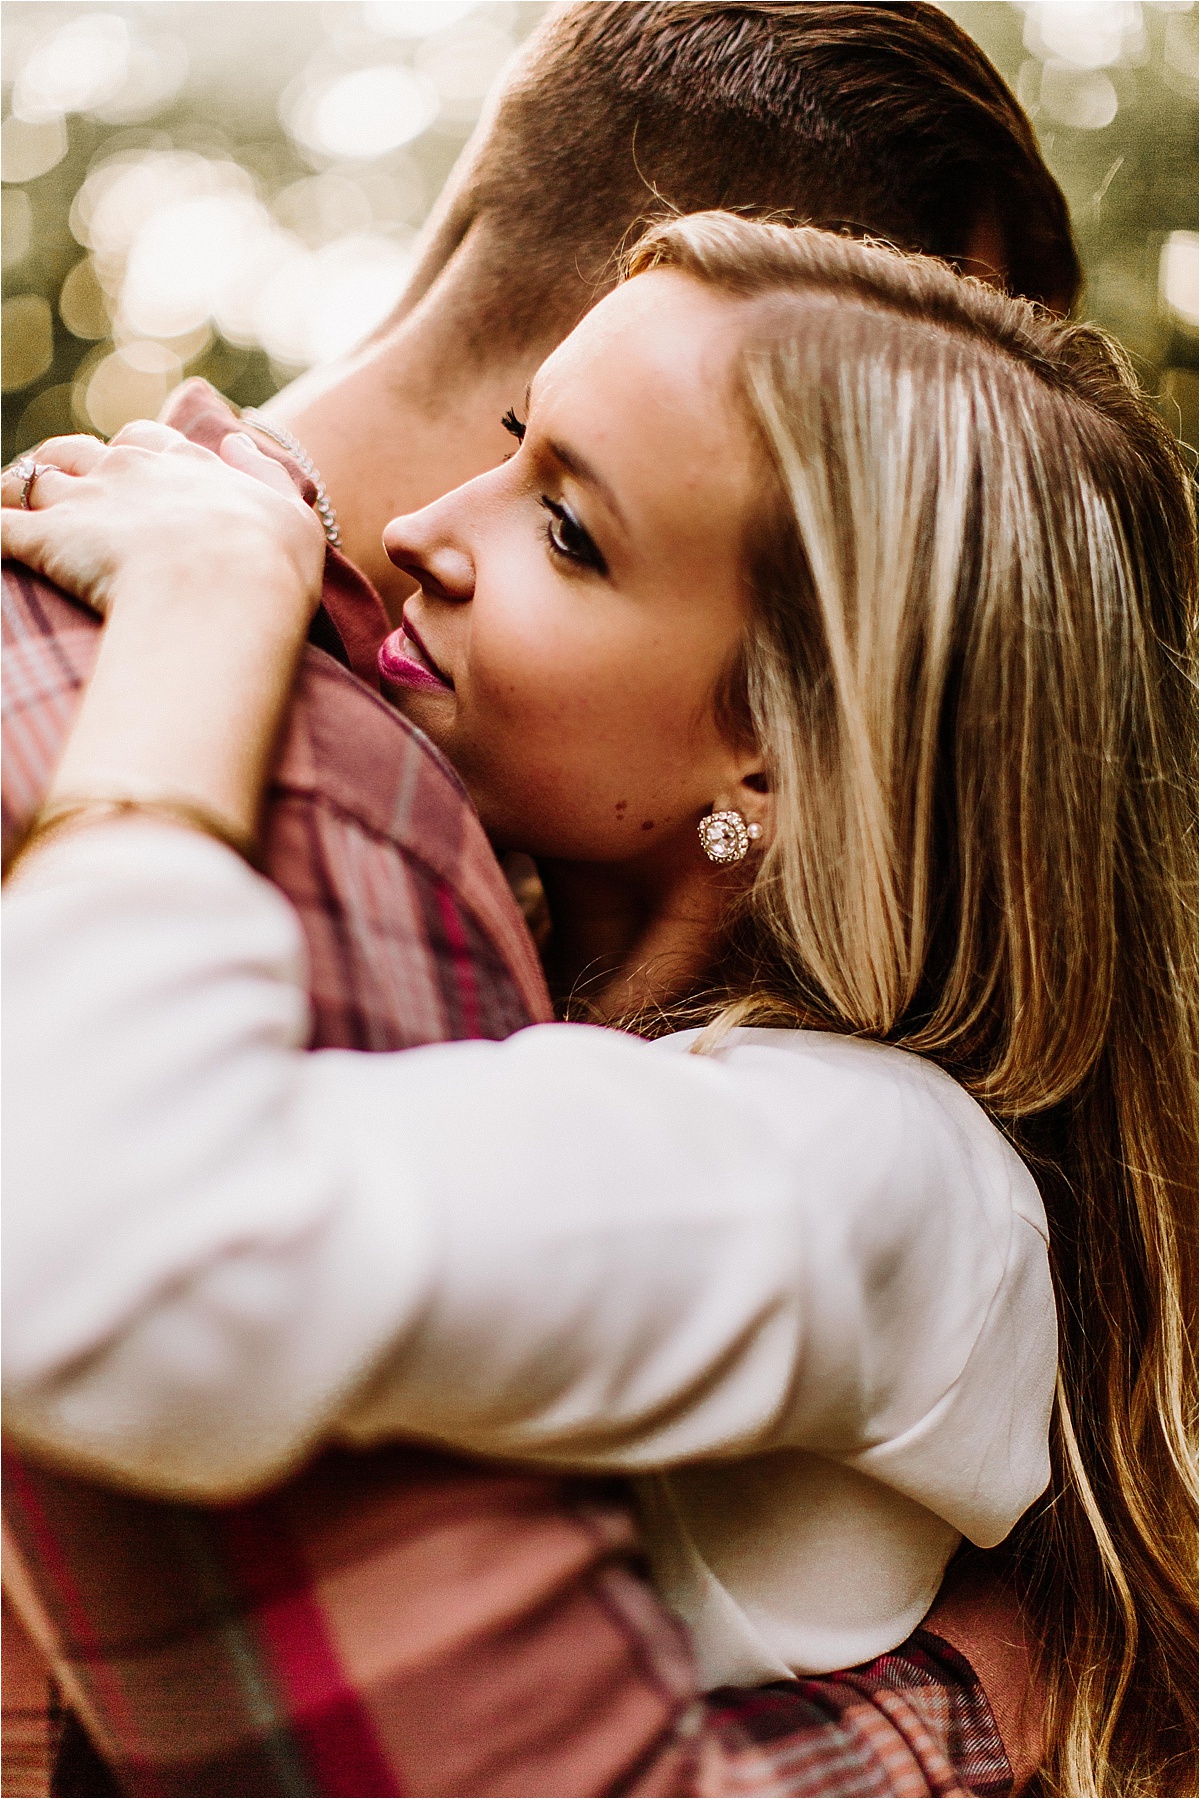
(400, 1621)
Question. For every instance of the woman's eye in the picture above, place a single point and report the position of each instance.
(513, 425)
(568, 537)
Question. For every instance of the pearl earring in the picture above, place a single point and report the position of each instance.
(725, 836)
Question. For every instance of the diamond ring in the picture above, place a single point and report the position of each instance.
(27, 471)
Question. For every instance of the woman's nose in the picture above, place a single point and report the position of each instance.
(422, 545)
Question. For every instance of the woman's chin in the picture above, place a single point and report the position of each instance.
(430, 709)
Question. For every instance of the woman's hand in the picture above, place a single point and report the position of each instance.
(155, 515)
(208, 569)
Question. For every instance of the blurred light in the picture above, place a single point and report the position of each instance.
(183, 258)
(1087, 34)
(48, 414)
(81, 303)
(463, 67)
(82, 64)
(165, 267)
(122, 194)
(363, 114)
(414, 18)
(1179, 276)
(359, 281)
(1085, 99)
(26, 341)
(17, 39)
(1029, 85)
(17, 219)
(157, 70)
(179, 240)
(320, 305)
(236, 313)
(322, 207)
(1179, 402)
(1181, 55)
(187, 346)
(397, 195)
(29, 150)
(132, 383)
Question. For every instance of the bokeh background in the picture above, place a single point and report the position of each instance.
(232, 188)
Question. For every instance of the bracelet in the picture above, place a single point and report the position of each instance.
(67, 814)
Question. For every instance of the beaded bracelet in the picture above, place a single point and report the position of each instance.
(68, 814)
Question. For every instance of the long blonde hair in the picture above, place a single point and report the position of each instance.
(969, 669)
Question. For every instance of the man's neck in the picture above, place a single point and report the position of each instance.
(628, 939)
(410, 416)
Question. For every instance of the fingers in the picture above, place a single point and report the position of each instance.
(241, 452)
(22, 491)
(26, 481)
(23, 534)
(147, 434)
(81, 455)
(75, 455)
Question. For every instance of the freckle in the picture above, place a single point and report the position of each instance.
(622, 806)
(647, 824)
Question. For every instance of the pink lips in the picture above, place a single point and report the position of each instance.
(404, 661)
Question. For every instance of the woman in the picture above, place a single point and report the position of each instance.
(875, 577)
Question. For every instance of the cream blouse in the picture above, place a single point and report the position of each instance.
(797, 1289)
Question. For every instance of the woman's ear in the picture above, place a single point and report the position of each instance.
(750, 794)
(755, 803)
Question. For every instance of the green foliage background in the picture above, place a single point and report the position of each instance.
(1130, 182)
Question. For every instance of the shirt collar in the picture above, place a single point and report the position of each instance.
(351, 619)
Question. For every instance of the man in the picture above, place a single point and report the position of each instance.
(886, 119)
(403, 1621)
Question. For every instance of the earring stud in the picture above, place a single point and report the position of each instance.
(725, 836)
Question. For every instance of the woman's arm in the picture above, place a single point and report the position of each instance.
(221, 1249)
(208, 575)
(573, 1246)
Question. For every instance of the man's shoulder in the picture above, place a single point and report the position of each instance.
(49, 644)
(343, 746)
(412, 932)
(347, 748)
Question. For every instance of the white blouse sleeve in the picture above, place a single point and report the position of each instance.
(221, 1248)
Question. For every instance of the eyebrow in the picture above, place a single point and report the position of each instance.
(576, 465)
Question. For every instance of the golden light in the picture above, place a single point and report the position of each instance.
(28, 150)
(1179, 277)
(26, 341)
(82, 64)
(361, 114)
(81, 303)
(132, 383)
(1085, 34)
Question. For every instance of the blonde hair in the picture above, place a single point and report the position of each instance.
(969, 672)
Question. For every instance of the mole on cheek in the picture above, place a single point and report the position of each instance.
(622, 807)
(647, 824)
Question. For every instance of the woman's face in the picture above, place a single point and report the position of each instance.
(583, 600)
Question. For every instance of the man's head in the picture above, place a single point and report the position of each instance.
(881, 118)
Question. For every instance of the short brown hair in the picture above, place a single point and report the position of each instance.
(880, 118)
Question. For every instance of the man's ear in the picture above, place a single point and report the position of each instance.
(985, 253)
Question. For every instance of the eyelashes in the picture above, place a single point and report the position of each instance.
(564, 533)
(568, 539)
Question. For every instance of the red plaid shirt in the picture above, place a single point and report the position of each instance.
(400, 1621)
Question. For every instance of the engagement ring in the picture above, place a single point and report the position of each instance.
(27, 471)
